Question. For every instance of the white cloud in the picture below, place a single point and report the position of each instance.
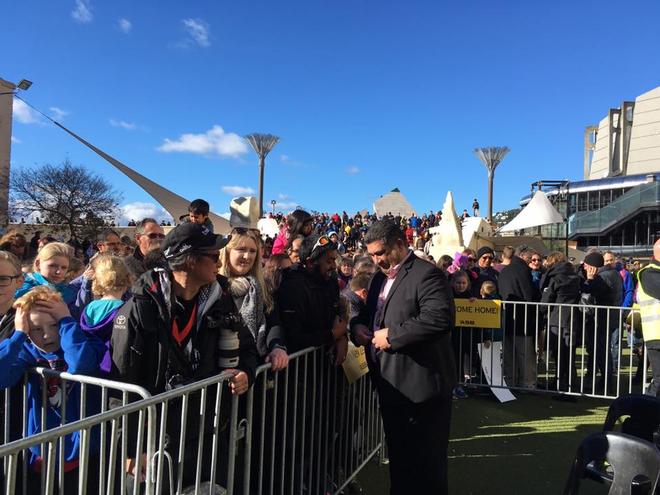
(285, 158)
(24, 114)
(15, 140)
(215, 141)
(58, 113)
(138, 210)
(124, 25)
(129, 126)
(198, 30)
(286, 206)
(83, 11)
(283, 196)
(352, 170)
(237, 190)
(226, 215)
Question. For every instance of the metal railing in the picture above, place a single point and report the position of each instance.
(302, 429)
(575, 349)
(93, 395)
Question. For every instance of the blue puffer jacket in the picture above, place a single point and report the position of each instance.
(78, 354)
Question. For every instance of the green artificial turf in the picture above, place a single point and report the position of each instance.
(521, 447)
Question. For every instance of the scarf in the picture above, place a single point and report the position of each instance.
(252, 309)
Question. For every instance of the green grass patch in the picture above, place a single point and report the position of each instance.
(524, 446)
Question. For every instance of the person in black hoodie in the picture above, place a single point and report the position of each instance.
(308, 299)
(561, 285)
(605, 286)
(518, 349)
(180, 326)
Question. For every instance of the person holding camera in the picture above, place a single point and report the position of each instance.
(180, 326)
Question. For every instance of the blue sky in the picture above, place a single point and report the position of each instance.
(365, 95)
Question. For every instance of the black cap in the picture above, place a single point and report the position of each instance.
(190, 238)
(594, 259)
(485, 250)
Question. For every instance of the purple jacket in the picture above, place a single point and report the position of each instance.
(102, 331)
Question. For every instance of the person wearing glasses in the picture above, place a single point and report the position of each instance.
(406, 329)
(108, 242)
(308, 299)
(180, 326)
(485, 271)
(11, 279)
(149, 235)
(536, 266)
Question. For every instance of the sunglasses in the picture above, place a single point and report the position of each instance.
(536, 260)
(472, 259)
(324, 240)
(487, 257)
(214, 256)
(155, 235)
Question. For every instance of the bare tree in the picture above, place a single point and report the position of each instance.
(63, 194)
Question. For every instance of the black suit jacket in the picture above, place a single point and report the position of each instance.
(419, 314)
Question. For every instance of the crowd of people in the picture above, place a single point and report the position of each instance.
(147, 311)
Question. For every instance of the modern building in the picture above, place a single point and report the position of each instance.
(617, 205)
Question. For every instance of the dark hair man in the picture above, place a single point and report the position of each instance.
(406, 327)
(308, 299)
(168, 333)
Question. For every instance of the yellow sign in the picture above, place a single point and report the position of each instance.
(480, 313)
(355, 364)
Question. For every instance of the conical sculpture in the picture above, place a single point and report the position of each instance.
(448, 235)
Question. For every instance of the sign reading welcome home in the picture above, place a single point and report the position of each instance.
(478, 313)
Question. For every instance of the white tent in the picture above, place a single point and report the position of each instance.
(539, 211)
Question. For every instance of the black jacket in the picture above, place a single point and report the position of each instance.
(145, 353)
(419, 315)
(515, 284)
(483, 275)
(561, 284)
(308, 306)
(143, 349)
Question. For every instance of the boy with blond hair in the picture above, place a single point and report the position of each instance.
(46, 335)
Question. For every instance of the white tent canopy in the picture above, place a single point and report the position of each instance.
(539, 211)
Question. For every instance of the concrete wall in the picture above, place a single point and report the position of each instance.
(644, 154)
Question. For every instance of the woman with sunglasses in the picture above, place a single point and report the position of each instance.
(241, 263)
(536, 265)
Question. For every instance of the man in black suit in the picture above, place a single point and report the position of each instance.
(406, 328)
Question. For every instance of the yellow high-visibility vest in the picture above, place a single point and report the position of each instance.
(649, 308)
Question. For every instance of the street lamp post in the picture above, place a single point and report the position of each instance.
(491, 158)
(273, 203)
(262, 144)
(7, 91)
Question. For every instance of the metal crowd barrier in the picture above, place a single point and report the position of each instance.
(574, 349)
(304, 429)
(96, 395)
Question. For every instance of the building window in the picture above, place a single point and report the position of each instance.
(605, 198)
(594, 200)
(582, 202)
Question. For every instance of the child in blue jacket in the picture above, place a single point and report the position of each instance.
(46, 335)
